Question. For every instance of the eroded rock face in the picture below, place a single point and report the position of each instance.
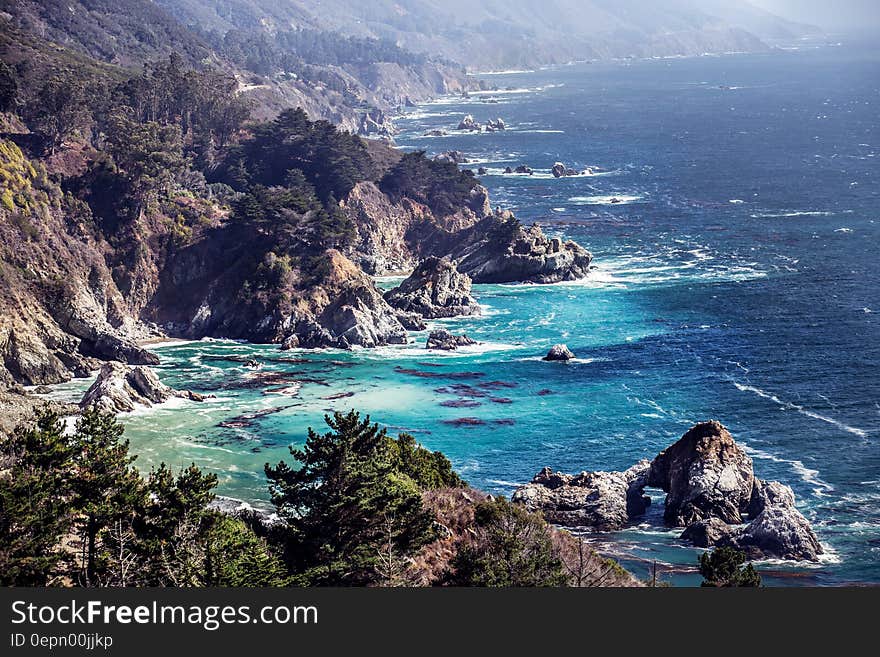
(446, 341)
(780, 532)
(359, 316)
(705, 475)
(604, 500)
(120, 388)
(777, 529)
(435, 289)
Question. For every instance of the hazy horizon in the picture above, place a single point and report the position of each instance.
(842, 15)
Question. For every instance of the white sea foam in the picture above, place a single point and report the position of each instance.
(511, 71)
(621, 199)
(780, 215)
(808, 475)
(861, 433)
(502, 482)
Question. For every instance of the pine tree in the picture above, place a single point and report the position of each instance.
(723, 567)
(171, 527)
(235, 556)
(105, 488)
(337, 503)
(34, 507)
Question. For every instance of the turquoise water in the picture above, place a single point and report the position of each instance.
(736, 280)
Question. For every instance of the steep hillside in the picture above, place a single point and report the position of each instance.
(504, 33)
(350, 81)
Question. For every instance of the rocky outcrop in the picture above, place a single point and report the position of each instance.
(711, 492)
(435, 289)
(497, 124)
(445, 341)
(376, 122)
(456, 157)
(705, 475)
(559, 170)
(500, 249)
(468, 123)
(522, 168)
(120, 388)
(603, 500)
(559, 352)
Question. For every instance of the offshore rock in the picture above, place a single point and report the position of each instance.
(456, 157)
(499, 249)
(446, 341)
(468, 123)
(559, 352)
(435, 289)
(711, 491)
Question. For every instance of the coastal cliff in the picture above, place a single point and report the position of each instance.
(254, 246)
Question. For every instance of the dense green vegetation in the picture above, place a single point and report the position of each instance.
(723, 567)
(439, 184)
(511, 548)
(353, 509)
(74, 510)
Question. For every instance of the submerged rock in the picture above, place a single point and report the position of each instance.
(446, 341)
(120, 388)
(522, 168)
(559, 352)
(435, 289)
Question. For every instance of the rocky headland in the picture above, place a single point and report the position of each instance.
(711, 492)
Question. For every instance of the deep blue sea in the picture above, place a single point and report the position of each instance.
(736, 279)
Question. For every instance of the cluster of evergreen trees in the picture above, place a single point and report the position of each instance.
(75, 511)
(439, 184)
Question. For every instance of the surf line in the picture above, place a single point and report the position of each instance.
(861, 433)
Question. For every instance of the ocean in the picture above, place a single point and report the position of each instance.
(736, 278)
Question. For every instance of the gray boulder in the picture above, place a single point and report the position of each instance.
(559, 352)
(603, 500)
(444, 340)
